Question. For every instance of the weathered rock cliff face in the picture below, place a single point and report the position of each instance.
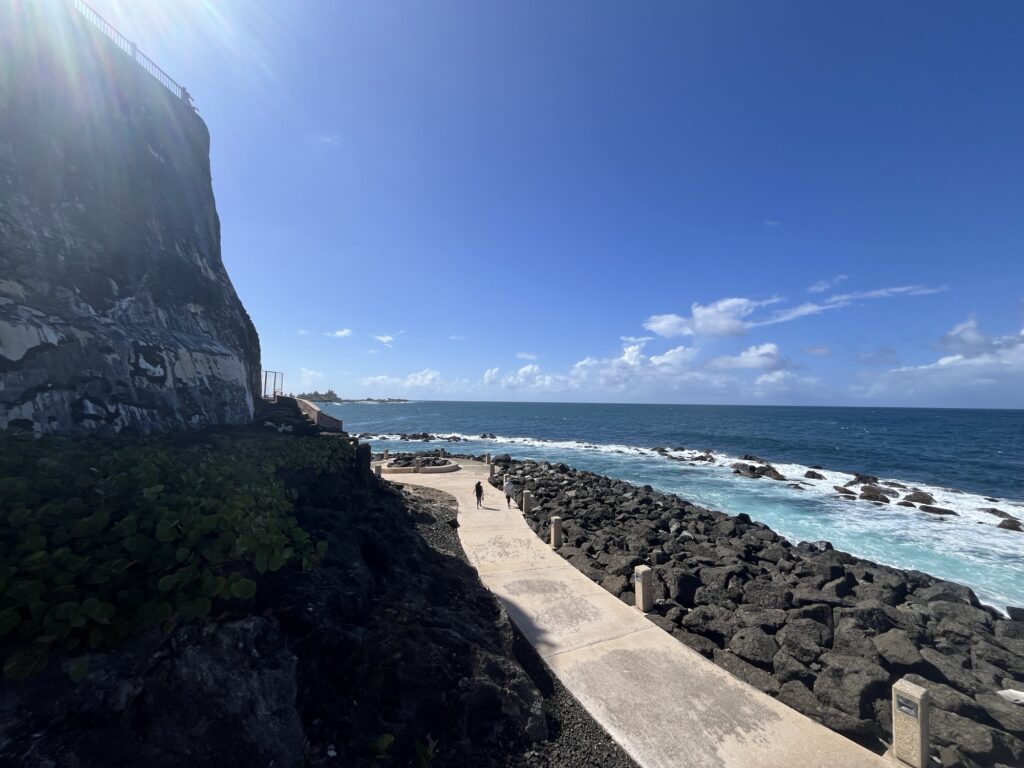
(116, 312)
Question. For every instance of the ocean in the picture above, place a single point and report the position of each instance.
(963, 458)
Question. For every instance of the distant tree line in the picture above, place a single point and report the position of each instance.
(330, 396)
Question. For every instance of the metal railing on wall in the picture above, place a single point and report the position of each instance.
(132, 50)
(273, 385)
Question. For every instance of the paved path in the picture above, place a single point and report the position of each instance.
(668, 706)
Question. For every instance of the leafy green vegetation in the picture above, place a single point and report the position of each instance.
(100, 539)
(330, 396)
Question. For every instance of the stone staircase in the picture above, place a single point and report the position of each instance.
(283, 414)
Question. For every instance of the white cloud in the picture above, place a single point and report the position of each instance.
(733, 316)
(675, 357)
(308, 376)
(725, 317)
(784, 382)
(636, 339)
(792, 313)
(818, 350)
(980, 370)
(888, 293)
(526, 356)
(340, 333)
(524, 376)
(426, 378)
(965, 337)
(387, 339)
(763, 356)
(491, 375)
(303, 332)
(630, 373)
(773, 223)
(823, 285)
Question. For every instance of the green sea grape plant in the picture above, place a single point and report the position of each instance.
(101, 539)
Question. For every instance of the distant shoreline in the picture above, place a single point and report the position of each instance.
(340, 400)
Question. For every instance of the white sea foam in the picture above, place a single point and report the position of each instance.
(961, 502)
(967, 548)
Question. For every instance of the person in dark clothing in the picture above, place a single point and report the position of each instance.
(478, 491)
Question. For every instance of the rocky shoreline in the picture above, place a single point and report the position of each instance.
(846, 486)
(825, 632)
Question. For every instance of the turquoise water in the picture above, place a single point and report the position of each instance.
(959, 456)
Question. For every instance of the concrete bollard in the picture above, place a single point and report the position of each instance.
(419, 463)
(643, 588)
(487, 456)
(490, 470)
(441, 452)
(385, 454)
(376, 470)
(556, 532)
(910, 704)
(527, 502)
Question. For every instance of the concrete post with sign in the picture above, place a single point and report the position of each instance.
(556, 532)
(527, 502)
(643, 588)
(910, 706)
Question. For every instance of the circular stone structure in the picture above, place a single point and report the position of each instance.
(419, 464)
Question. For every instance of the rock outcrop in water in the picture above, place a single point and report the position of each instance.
(825, 632)
(116, 312)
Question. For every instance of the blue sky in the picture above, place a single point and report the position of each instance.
(696, 202)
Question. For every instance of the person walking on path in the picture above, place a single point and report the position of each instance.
(478, 491)
(510, 492)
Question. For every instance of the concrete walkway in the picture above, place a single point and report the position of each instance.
(667, 705)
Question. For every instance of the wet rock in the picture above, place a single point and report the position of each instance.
(812, 475)
(997, 513)
(859, 479)
(873, 493)
(752, 471)
(919, 497)
(937, 510)
(843, 490)
(1010, 525)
